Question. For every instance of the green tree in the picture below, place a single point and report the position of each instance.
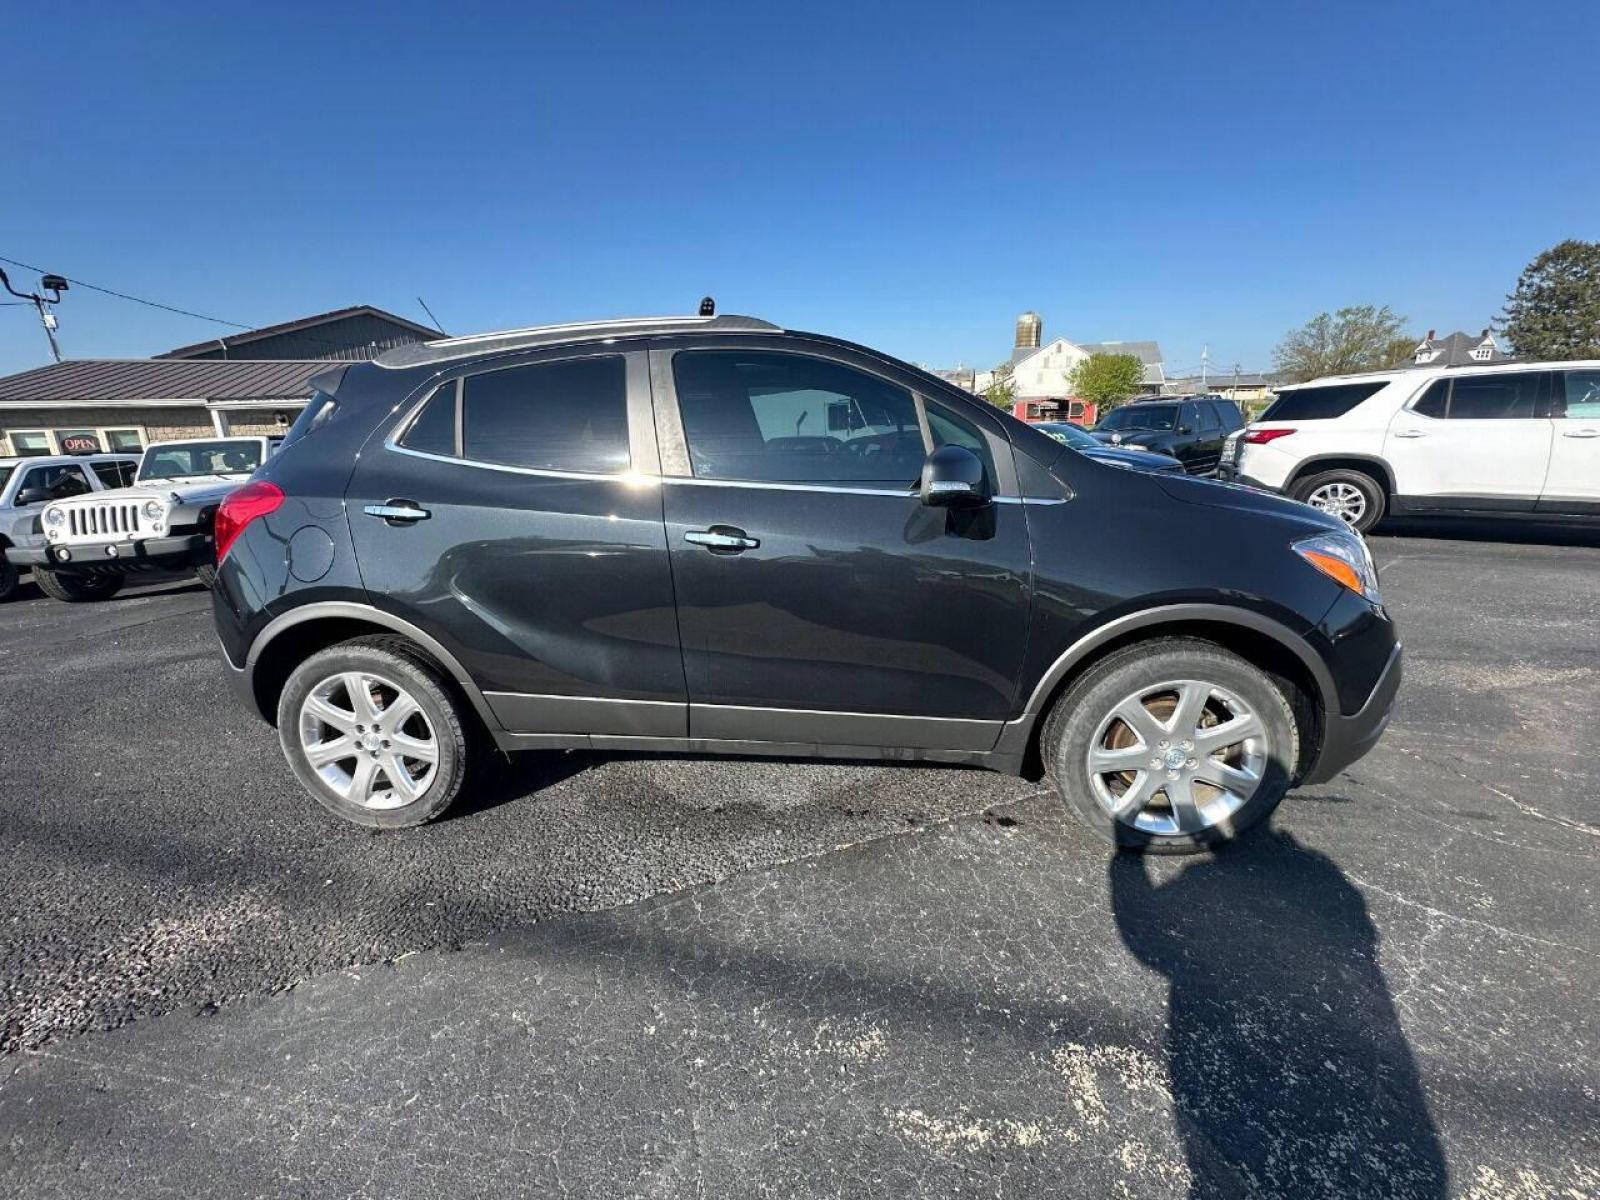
(1002, 389)
(1555, 311)
(1361, 338)
(1107, 379)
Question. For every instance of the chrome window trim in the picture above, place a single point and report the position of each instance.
(627, 475)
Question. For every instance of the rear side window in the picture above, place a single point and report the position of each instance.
(1512, 396)
(1321, 403)
(1209, 422)
(558, 416)
(769, 416)
(114, 474)
(1228, 413)
(434, 429)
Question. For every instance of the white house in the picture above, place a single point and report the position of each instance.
(1043, 373)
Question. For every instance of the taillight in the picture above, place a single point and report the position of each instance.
(1260, 437)
(239, 509)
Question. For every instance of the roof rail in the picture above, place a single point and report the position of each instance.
(445, 349)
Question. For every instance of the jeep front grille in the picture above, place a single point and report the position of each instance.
(100, 521)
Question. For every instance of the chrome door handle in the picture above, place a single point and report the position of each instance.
(722, 539)
(1581, 433)
(398, 512)
(1409, 433)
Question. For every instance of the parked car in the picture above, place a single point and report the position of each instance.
(1191, 429)
(28, 484)
(93, 541)
(1085, 442)
(1513, 440)
(625, 536)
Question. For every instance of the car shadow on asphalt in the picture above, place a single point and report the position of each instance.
(1506, 531)
(1283, 1040)
(498, 779)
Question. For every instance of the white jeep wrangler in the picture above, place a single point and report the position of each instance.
(162, 522)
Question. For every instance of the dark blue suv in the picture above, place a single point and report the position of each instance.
(712, 535)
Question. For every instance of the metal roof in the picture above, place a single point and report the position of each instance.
(557, 335)
(130, 380)
(232, 340)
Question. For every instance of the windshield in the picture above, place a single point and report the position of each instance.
(1069, 435)
(1140, 416)
(199, 458)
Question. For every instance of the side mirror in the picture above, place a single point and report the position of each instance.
(953, 477)
(32, 495)
(1185, 428)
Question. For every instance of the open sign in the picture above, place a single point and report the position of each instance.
(80, 443)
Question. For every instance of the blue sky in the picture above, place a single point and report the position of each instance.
(908, 175)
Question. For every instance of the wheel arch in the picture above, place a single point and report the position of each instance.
(1259, 639)
(1368, 464)
(288, 640)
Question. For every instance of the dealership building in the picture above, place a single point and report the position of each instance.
(246, 383)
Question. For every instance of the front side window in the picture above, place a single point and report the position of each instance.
(786, 418)
(557, 416)
(1581, 397)
(200, 458)
(950, 430)
(58, 482)
(1140, 416)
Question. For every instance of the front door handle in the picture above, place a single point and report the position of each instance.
(1581, 433)
(398, 512)
(722, 539)
(1409, 433)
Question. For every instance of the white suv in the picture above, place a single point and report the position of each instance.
(1514, 439)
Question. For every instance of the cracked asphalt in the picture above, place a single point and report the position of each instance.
(681, 977)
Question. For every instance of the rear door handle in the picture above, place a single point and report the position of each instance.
(1409, 433)
(1581, 433)
(398, 512)
(722, 539)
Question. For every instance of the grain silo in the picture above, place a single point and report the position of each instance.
(1029, 329)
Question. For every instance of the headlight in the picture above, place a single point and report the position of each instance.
(1344, 558)
(54, 518)
(151, 510)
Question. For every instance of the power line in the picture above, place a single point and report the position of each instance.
(94, 287)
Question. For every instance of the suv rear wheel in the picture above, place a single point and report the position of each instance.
(1355, 497)
(1171, 746)
(371, 731)
(75, 587)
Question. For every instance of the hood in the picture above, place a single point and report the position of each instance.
(1128, 456)
(1131, 437)
(1213, 493)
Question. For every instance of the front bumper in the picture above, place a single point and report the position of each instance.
(181, 550)
(1348, 738)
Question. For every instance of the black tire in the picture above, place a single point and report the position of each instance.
(1077, 716)
(1373, 500)
(77, 588)
(207, 575)
(395, 660)
(9, 575)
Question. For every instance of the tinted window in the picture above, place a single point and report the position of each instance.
(1507, 397)
(786, 418)
(114, 474)
(59, 482)
(1581, 397)
(1228, 414)
(434, 429)
(1140, 416)
(1321, 403)
(560, 416)
(318, 412)
(1434, 401)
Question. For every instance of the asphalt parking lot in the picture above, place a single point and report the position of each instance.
(664, 977)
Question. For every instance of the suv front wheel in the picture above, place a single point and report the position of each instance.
(370, 730)
(1171, 746)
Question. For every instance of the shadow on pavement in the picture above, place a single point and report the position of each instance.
(1289, 1067)
(1504, 530)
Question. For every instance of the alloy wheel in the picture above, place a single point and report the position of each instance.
(1178, 757)
(368, 739)
(1343, 500)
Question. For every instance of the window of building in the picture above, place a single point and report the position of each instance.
(129, 441)
(765, 416)
(27, 442)
(559, 416)
(78, 441)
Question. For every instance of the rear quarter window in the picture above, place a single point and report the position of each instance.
(1321, 403)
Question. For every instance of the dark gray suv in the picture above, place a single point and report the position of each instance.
(712, 535)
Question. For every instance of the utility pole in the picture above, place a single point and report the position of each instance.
(1205, 362)
(1236, 383)
(54, 284)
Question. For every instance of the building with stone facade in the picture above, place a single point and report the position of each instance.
(248, 383)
